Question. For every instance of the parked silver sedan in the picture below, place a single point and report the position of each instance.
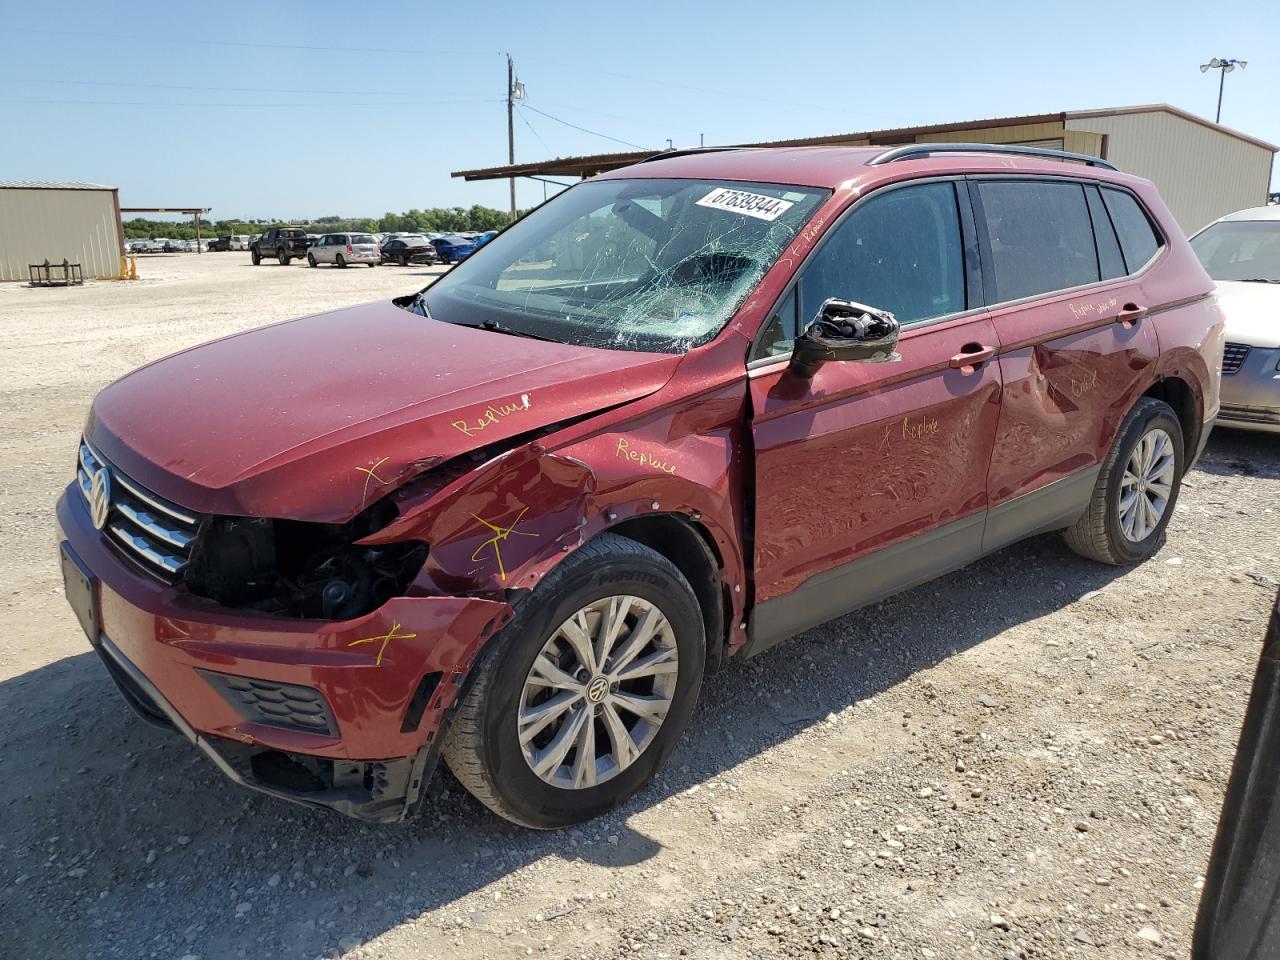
(1242, 253)
(342, 249)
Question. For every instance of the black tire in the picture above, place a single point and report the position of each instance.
(339, 261)
(483, 748)
(404, 259)
(1098, 535)
(311, 260)
(373, 264)
(283, 256)
(255, 256)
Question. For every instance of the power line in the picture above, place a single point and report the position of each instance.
(594, 133)
(545, 145)
(247, 43)
(175, 86)
(615, 116)
(242, 106)
(708, 90)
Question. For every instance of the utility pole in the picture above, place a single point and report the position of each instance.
(511, 128)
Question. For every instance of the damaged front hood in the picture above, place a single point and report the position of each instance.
(315, 418)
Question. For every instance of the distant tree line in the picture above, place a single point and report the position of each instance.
(435, 220)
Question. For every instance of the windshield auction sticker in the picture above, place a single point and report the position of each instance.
(751, 204)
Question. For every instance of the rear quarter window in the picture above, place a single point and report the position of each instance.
(1138, 239)
(1110, 260)
(1040, 234)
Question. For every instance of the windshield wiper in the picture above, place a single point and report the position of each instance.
(493, 326)
(420, 303)
(1257, 280)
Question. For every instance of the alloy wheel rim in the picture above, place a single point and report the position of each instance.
(1146, 485)
(598, 692)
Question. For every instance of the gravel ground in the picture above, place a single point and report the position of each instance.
(1024, 759)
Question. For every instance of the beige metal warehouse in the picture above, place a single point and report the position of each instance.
(78, 222)
(1203, 170)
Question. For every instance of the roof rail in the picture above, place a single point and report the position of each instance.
(665, 154)
(914, 151)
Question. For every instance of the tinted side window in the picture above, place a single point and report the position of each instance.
(1040, 234)
(1110, 262)
(1137, 238)
(900, 251)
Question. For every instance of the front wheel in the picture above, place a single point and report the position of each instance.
(1137, 489)
(255, 256)
(580, 700)
(311, 261)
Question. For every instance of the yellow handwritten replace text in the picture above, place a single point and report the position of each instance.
(500, 534)
(492, 414)
(1082, 311)
(392, 634)
(642, 457)
(924, 427)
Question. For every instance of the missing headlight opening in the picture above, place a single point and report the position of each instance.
(296, 569)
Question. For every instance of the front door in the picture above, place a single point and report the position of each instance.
(871, 477)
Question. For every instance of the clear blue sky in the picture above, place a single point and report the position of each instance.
(307, 134)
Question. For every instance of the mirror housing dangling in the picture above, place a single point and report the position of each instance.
(845, 330)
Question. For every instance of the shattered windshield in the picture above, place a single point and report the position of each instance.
(654, 265)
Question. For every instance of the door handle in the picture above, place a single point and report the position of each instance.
(972, 355)
(1130, 314)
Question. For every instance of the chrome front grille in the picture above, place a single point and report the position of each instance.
(1233, 356)
(148, 529)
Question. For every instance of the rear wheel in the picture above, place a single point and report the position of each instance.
(582, 697)
(283, 256)
(340, 261)
(1137, 489)
(404, 259)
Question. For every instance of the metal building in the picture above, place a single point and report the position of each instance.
(77, 222)
(1203, 170)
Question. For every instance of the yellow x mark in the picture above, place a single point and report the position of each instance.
(500, 534)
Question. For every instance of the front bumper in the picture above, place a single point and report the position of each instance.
(389, 680)
(1251, 395)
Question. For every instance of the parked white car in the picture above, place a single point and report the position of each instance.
(240, 242)
(1242, 254)
(344, 249)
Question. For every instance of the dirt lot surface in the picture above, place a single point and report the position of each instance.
(1024, 759)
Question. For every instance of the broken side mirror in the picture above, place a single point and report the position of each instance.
(844, 330)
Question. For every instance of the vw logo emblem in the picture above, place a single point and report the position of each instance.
(100, 498)
(598, 689)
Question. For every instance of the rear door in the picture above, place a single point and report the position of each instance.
(1076, 349)
(872, 476)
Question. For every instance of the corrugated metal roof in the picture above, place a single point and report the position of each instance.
(591, 164)
(51, 185)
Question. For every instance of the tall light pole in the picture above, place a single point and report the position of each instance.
(515, 91)
(1225, 66)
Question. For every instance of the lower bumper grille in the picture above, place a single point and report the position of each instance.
(1233, 356)
(285, 705)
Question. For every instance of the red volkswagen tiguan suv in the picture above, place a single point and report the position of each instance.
(678, 413)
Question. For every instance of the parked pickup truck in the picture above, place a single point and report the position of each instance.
(283, 243)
